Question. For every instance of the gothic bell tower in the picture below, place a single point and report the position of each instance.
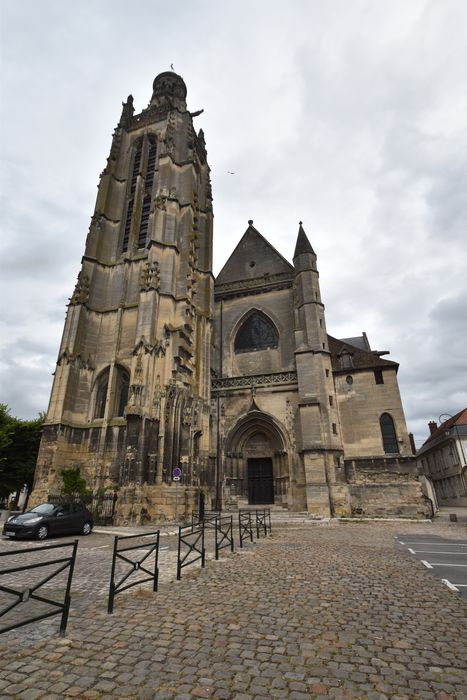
(131, 393)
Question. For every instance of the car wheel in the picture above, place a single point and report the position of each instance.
(87, 528)
(42, 532)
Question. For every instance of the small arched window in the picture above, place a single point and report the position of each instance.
(256, 333)
(388, 433)
(101, 394)
(121, 396)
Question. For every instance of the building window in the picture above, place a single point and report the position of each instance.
(126, 232)
(136, 164)
(256, 333)
(379, 379)
(121, 394)
(345, 359)
(143, 227)
(151, 166)
(334, 428)
(130, 204)
(388, 433)
(331, 402)
(327, 373)
(101, 394)
(349, 379)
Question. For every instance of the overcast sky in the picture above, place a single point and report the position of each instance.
(348, 115)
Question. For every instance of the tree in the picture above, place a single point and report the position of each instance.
(19, 446)
(74, 485)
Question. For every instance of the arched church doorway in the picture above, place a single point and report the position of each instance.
(256, 465)
(259, 455)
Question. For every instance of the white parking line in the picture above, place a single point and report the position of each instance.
(425, 563)
(411, 551)
(427, 551)
(439, 564)
(442, 544)
(449, 585)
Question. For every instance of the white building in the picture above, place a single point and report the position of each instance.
(442, 458)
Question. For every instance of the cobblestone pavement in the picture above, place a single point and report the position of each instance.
(315, 611)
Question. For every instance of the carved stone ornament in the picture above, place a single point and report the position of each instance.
(158, 348)
(187, 415)
(160, 201)
(150, 277)
(77, 360)
(81, 293)
(139, 370)
(258, 380)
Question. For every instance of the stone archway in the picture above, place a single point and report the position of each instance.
(256, 461)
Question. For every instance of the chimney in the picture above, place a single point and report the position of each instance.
(433, 426)
(412, 443)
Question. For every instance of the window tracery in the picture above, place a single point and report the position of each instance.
(256, 333)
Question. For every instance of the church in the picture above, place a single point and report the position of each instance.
(233, 382)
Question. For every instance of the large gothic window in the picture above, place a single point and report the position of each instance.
(256, 333)
(130, 201)
(388, 433)
(121, 394)
(101, 394)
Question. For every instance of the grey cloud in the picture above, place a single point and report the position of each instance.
(346, 117)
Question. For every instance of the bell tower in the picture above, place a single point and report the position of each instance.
(131, 393)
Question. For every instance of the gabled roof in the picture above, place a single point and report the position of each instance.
(459, 419)
(253, 258)
(361, 359)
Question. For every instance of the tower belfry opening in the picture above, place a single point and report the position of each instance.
(234, 381)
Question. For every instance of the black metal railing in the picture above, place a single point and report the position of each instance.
(29, 593)
(208, 517)
(136, 565)
(224, 533)
(103, 508)
(193, 540)
(245, 526)
(263, 521)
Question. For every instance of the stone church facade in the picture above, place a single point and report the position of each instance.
(234, 381)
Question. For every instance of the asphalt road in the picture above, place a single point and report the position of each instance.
(444, 558)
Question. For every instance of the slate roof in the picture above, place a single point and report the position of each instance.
(361, 359)
(360, 341)
(459, 419)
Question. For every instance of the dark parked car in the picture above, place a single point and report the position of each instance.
(50, 519)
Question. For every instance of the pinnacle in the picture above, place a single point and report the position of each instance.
(303, 244)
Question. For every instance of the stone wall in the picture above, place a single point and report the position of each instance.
(385, 487)
(145, 504)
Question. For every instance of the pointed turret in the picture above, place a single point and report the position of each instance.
(304, 257)
(303, 244)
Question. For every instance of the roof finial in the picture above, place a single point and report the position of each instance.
(300, 223)
(250, 222)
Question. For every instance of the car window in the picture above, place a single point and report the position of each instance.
(43, 509)
(65, 508)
